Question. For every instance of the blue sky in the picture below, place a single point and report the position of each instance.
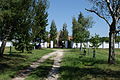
(62, 11)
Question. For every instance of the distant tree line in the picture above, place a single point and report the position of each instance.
(106, 39)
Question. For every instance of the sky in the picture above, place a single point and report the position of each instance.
(62, 11)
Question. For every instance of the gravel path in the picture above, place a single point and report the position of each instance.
(53, 75)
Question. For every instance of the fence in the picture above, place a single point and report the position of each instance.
(88, 44)
(73, 45)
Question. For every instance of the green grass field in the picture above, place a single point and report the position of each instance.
(11, 64)
(76, 66)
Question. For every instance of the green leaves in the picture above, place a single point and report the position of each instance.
(95, 41)
(80, 28)
(64, 33)
(22, 21)
(40, 19)
(53, 31)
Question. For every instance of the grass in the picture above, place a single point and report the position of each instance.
(42, 71)
(11, 64)
(76, 66)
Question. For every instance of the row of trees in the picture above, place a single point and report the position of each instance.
(63, 36)
(79, 29)
(25, 21)
(22, 20)
(106, 39)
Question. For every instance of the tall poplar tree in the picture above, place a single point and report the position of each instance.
(75, 31)
(80, 28)
(40, 20)
(35, 22)
(53, 31)
(64, 33)
(83, 24)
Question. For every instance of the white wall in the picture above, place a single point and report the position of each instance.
(8, 44)
(76, 45)
(103, 45)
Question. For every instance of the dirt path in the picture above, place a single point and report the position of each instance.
(57, 54)
(53, 74)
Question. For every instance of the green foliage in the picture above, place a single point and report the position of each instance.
(117, 39)
(15, 20)
(23, 21)
(22, 45)
(22, 33)
(53, 31)
(6, 15)
(85, 21)
(80, 28)
(76, 33)
(95, 41)
(104, 39)
(40, 19)
(64, 33)
(47, 39)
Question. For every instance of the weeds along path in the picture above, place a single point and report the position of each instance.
(57, 55)
(53, 74)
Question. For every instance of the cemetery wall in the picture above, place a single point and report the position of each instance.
(73, 45)
(103, 45)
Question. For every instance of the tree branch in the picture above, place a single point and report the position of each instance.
(110, 8)
(99, 15)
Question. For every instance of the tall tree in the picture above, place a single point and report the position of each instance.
(80, 28)
(75, 31)
(5, 20)
(34, 21)
(84, 24)
(108, 10)
(53, 31)
(22, 33)
(17, 18)
(64, 33)
(40, 19)
(10, 12)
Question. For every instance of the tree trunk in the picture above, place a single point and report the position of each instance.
(103, 45)
(118, 45)
(94, 52)
(23, 50)
(4, 40)
(81, 46)
(111, 58)
(2, 48)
